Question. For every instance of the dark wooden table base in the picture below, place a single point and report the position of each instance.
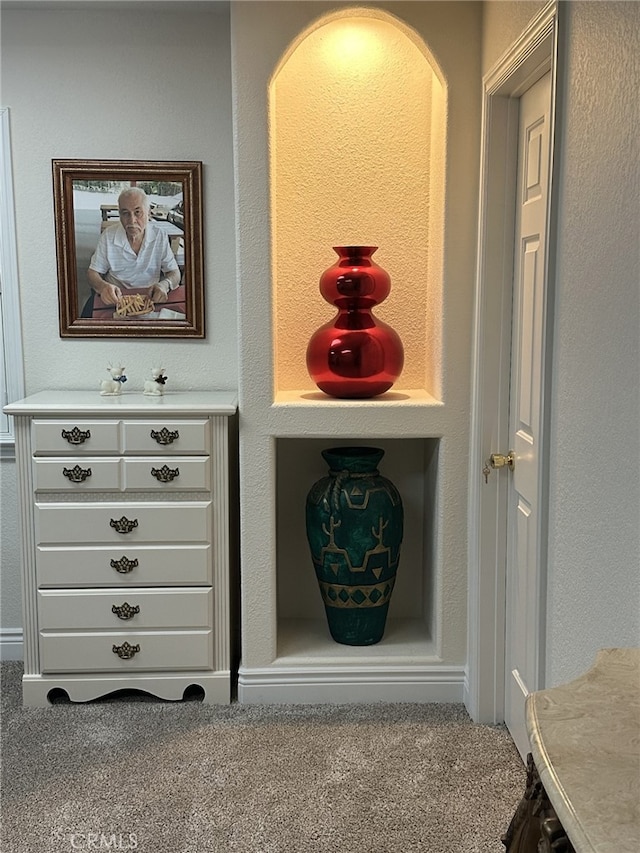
(535, 827)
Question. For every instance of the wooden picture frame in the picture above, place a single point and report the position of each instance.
(86, 195)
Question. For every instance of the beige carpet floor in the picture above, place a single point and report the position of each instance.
(161, 777)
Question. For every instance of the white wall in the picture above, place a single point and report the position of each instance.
(118, 84)
(594, 550)
(10, 600)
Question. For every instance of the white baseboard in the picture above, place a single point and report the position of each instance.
(11, 644)
(274, 685)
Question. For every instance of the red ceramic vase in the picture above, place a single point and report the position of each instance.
(355, 355)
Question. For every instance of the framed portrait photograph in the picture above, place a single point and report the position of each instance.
(129, 248)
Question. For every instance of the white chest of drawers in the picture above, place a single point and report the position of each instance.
(126, 543)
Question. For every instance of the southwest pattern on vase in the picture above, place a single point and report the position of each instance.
(354, 521)
(355, 355)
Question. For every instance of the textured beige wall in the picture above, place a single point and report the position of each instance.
(502, 22)
(262, 33)
(593, 574)
(351, 119)
(593, 596)
(594, 536)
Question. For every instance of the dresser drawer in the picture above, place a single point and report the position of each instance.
(167, 437)
(93, 651)
(87, 474)
(75, 437)
(123, 523)
(143, 565)
(124, 609)
(175, 474)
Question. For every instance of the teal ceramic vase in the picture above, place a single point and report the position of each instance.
(354, 520)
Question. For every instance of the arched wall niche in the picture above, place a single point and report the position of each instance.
(357, 132)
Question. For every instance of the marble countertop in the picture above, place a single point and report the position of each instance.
(585, 741)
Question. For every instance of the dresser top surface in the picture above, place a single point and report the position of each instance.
(585, 741)
(54, 403)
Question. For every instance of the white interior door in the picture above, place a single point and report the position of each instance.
(524, 573)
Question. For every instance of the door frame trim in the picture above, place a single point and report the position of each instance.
(532, 55)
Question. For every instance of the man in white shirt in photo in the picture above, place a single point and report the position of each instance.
(135, 253)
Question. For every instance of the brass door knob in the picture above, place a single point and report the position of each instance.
(499, 460)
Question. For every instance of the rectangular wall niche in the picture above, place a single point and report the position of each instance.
(411, 464)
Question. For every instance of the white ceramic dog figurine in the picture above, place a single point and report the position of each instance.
(112, 387)
(155, 386)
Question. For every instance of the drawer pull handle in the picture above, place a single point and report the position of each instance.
(165, 474)
(164, 436)
(125, 611)
(75, 435)
(123, 525)
(124, 565)
(126, 651)
(77, 474)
